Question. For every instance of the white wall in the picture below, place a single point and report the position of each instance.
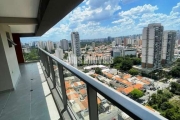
(151, 43)
(150, 59)
(144, 34)
(143, 59)
(151, 33)
(9, 68)
(144, 51)
(130, 52)
(151, 51)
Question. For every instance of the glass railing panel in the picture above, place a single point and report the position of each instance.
(30, 54)
(77, 97)
(108, 111)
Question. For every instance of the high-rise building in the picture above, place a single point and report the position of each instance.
(113, 43)
(140, 42)
(109, 39)
(125, 41)
(59, 53)
(50, 45)
(64, 44)
(152, 46)
(75, 43)
(93, 45)
(168, 46)
(41, 44)
(118, 41)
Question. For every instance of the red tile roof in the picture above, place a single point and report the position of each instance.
(127, 90)
(73, 96)
(138, 86)
(126, 76)
(67, 84)
(83, 91)
(120, 89)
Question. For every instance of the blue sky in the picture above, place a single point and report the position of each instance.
(103, 18)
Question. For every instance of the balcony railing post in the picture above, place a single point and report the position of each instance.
(43, 54)
(47, 66)
(52, 72)
(40, 55)
(92, 103)
(62, 82)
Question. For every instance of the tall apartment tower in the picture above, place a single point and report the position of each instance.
(93, 45)
(49, 45)
(75, 43)
(152, 38)
(64, 44)
(59, 53)
(168, 46)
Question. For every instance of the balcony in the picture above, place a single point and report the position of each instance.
(32, 98)
(41, 94)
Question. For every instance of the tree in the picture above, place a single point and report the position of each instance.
(129, 45)
(98, 71)
(33, 55)
(135, 94)
(133, 71)
(87, 49)
(65, 55)
(45, 48)
(136, 61)
(126, 65)
(85, 71)
(52, 51)
(165, 106)
(117, 60)
(175, 88)
(175, 71)
(172, 114)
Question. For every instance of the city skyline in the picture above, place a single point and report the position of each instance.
(113, 18)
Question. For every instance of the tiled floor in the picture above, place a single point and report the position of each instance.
(31, 100)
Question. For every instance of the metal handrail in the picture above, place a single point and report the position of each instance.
(129, 106)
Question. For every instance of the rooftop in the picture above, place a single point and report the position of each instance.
(127, 90)
(83, 91)
(73, 96)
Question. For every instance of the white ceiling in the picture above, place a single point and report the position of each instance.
(22, 28)
(19, 8)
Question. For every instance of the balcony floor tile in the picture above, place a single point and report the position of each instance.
(24, 104)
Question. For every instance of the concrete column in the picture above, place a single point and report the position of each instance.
(9, 68)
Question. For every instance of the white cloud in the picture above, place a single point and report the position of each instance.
(108, 7)
(139, 10)
(87, 20)
(96, 10)
(176, 8)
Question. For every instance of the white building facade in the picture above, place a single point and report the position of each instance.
(168, 46)
(93, 45)
(75, 43)
(152, 38)
(64, 44)
(50, 45)
(59, 53)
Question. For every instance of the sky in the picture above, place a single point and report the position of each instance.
(103, 18)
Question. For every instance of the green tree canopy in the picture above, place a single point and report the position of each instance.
(133, 71)
(175, 88)
(135, 94)
(98, 71)
(136, 61)
(65, 55)
(175, 71)
(33, 55)
(126, 65)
